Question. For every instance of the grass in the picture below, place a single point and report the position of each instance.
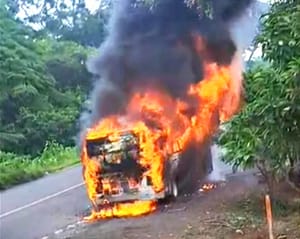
(244, 218)
(17, 169)
(248, 214)
(252, 208)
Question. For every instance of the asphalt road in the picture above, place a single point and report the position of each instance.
(39, 208)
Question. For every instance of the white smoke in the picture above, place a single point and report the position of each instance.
(220, 169)
(244, 30)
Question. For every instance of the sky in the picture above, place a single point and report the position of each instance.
(92, 4)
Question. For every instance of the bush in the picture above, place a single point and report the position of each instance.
(266, 134)
(16, 169)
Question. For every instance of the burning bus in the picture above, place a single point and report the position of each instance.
(160, 146)
(168, 75)
(123, 177)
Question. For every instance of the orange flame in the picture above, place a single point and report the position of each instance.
(133, 209)
(207, 187)
(166, 125)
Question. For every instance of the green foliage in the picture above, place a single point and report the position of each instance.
(65, 61)
(23, 77)
(90, 30)
(269, 124)
(267, 131)
(65, 20)
(280, 36)
(18, 169)
(250, 211)
(42, 85)
(54, 124)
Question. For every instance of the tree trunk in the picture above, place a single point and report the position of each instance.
(267, 175)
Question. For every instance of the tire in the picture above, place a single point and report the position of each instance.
(171, 193)
(95, 207)
(195, 165)
(173, 189)
(209, 162)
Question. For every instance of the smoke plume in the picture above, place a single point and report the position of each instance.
(154, 45)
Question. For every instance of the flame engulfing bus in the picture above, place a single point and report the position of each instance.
(121, 175)
(166, 81)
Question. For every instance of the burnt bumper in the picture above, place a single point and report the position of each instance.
(141, 195)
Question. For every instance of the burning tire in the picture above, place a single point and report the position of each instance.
(171, 184)
(173, 189)
(171, 192)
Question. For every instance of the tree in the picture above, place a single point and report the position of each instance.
(267, 131)
(66, 62)
(23, 77)
(36, 103)
(64, 20)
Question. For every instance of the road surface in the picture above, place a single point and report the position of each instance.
(41, 207)
(45, 206)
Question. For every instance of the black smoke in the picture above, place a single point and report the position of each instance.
(153, 46)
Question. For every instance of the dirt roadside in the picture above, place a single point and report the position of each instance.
(222, 213)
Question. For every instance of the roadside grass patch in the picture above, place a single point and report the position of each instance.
(244, 217)
(16, 169)
(248, 214)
